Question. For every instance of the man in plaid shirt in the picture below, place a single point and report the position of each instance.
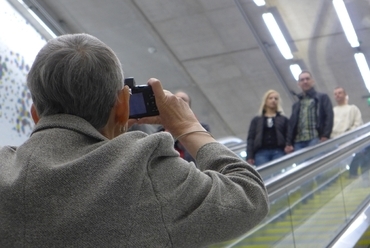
(312, 116)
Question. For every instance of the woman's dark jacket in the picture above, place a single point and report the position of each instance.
(255, 134)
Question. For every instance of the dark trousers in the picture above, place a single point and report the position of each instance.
(360, 160)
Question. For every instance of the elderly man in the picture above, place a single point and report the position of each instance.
(81, 180)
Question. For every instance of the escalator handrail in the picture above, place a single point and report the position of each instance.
(278, 165)
(285, 182)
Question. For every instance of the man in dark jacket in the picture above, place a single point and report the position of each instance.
(312, 116)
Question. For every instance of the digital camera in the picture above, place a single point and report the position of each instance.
(142, 101)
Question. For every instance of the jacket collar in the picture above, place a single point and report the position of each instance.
(277, 113)
(70, 122)
(310, 93)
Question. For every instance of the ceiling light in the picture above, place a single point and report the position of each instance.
(346, 23)
(364, 69)
(35, 16)
(42, 23)
(259, 2)
(296, 70)
(277, 35)
(44, 18)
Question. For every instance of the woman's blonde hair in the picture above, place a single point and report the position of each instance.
(263, 103)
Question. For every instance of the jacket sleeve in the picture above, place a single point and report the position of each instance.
(286, 129)
(222, 200)
(291, 126)
(328, 116)
(357, 118)
(251, 137)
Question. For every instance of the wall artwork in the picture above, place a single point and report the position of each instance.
(19, 44)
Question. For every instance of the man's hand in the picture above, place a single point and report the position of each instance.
(288, 149)
(175, 114)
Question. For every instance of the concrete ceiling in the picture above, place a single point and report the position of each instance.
(221, 52)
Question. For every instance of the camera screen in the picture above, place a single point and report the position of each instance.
(137, 104)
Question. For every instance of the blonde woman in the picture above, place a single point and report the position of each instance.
(267, 132)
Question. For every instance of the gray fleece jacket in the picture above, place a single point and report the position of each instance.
(69, 186)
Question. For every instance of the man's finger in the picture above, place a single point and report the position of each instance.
(157, 89)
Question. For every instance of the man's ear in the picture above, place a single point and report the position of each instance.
(123, 106)
(34, 114)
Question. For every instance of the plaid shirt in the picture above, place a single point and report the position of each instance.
(307, 120)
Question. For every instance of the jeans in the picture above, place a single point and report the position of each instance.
(303, 144)
(263, 156)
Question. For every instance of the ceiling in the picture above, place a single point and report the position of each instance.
(221, 52)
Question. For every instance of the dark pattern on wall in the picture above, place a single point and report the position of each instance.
(14, 95)
(19, 44)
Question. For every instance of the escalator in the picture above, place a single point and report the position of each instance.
(364, 241)
(314, 198)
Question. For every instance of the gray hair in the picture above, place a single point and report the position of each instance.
(76, 74)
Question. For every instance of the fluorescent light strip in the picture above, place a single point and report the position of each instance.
(364, 69)
(42, 23)
(295, 70)
(346, 23)
(38, 19)
(277, 35)
(259, 2)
